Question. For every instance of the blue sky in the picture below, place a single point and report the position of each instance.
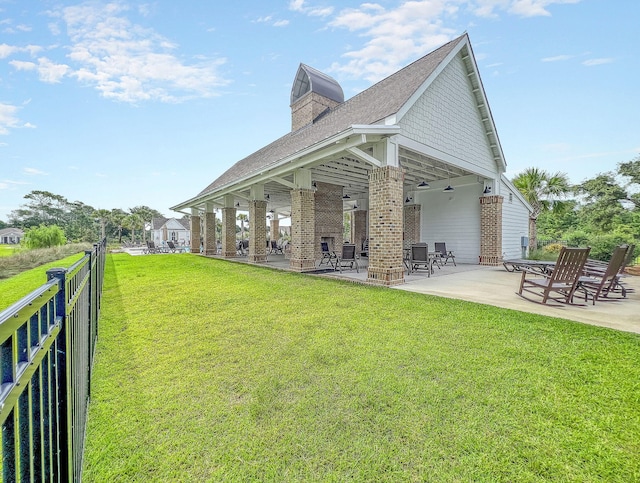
(120, 104)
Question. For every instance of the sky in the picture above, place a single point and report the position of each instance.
(124, 103)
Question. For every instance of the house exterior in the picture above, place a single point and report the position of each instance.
(11, 236)
(416, 157)
(171, 229)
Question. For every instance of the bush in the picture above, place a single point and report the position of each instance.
(602, 246)
(44, 237)
(28, 259)
(553, 248)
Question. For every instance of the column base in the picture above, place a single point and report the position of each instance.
(491, 261)
(385, 277)
(302, 265)
(257, 259)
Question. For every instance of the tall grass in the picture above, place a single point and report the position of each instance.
(213, 371)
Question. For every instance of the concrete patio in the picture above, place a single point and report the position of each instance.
(495, 286)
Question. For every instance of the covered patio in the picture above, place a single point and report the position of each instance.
(414, 158)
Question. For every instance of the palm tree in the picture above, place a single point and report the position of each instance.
(133, 222)
(242, 217)
(543, 191)
(103, 217)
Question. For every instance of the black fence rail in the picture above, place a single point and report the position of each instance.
(47, 343)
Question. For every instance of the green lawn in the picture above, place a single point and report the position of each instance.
(208, 370)
(7, 250)
(14, 288)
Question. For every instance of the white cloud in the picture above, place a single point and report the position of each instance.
(398, 32)
(8, 118)
(281, 23)
(299, 6)
(296, 5)
(396, 36)
(34, 172)
(127, 62)
(592, 62)
(47, 70)
(557, 58)
(522, 8)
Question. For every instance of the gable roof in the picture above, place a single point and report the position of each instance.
(371, 106)
(11, 231)
(158, 222)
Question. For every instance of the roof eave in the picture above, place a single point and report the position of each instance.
(338, 141)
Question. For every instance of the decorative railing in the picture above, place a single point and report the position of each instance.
(47, 343)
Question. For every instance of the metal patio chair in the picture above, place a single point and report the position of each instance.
(327, 255)
(348, 259)
(445, 255)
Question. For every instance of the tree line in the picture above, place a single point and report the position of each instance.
(81, 222)
(601, 212)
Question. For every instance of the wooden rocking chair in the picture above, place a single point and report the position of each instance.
(562, 279)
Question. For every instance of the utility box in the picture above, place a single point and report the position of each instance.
(524, 244)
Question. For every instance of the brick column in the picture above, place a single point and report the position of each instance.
(490, 230)
(386, 202)
(210, 247)
(257, 231)
(195, 234)
(302, 230)
(359, 227)
(275, 228)
(411, 225)
(228, 232)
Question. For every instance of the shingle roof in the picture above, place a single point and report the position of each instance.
(369, 107)
(159, 222)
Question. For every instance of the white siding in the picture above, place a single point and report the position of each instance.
(515, 223)
(447, 118)
(453, 218)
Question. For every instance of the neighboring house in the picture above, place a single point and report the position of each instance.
(416, 157)
(11, 236)
(174, 229)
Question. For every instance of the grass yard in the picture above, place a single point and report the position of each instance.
(7, 250)
(14, 288)
(208, 370)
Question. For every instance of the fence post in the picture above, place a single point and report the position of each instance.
(62, 374)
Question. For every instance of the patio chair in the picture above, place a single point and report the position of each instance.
(151, 248)
(419, 258)
(596, 282)
(562, 280)
(327, 255)
(242, 247)
(347, 260)
(365, 248)
(445, 255)
(275, 248)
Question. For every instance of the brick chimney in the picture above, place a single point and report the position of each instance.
(312, 94)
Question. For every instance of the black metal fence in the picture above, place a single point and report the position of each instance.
(47, 343)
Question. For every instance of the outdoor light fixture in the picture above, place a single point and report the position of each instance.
(487, 190)
(409, 198)
(266, 197)
(272, 211)
(448, 188)
(346, 197)
(314, 184)
(238, 204)
(423, 184)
